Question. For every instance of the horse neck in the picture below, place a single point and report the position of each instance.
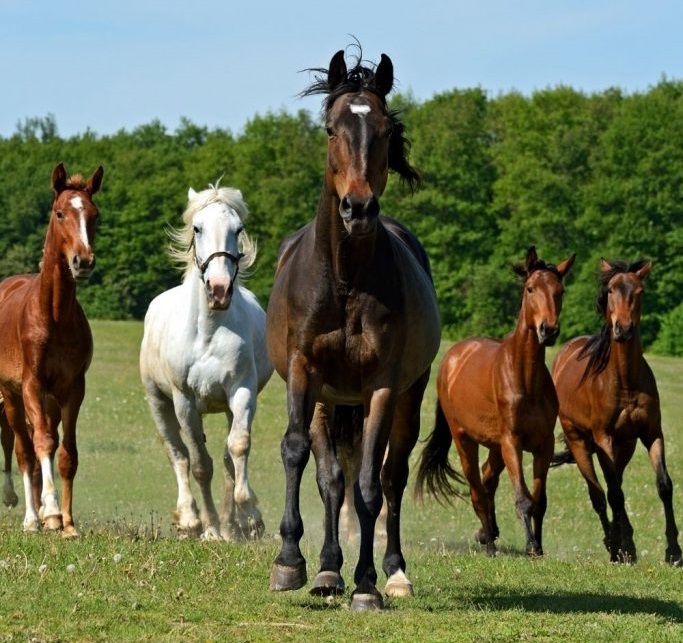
(57, 286)
(526, 356)
(346, 257)
(625, 361)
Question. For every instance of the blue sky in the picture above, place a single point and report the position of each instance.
(108, 65)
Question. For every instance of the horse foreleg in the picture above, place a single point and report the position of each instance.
(330, 479)
(665, 491)
(248, 520)
(539, 494)
(67, 456)
(368, 495)
(490, 477)
(186, 516)
(405, 431)
(468, 452)
(45, 441)
(584, 461)
(613, 462)
(512, 456)
(289, 568)
(201, 464)
(9, 496)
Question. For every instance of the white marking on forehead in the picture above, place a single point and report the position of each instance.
(77, 203)
(84, 231)
(361, 110)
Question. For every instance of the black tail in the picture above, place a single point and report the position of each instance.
(563, 457)
(434, 470)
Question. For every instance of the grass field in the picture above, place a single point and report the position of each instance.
(130, 579)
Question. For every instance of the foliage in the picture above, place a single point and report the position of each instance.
(600, 175)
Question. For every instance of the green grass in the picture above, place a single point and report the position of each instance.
(129, 578)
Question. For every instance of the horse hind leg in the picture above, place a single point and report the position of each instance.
(9, 496)
(665, 491)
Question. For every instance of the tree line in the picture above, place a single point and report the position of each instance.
(598, 174)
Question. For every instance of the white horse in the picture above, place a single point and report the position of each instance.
(204, 351)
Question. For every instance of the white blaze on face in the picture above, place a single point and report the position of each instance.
(77, 204)
(359, 109)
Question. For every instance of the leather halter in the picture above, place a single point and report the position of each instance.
(203, 265)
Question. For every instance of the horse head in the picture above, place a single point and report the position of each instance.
(542, 297)
(73, 220)
(217, 240)
(365, 139)
(622, 294)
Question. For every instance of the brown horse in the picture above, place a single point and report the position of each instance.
(608, 401)
(46, 350)
(353, 327)
(499, 394)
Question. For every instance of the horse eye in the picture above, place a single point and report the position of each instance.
(196, 229)
(59, 214)
(330, 132)
(530, 289)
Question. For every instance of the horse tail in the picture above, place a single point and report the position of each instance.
(563, 457)
(435, 472)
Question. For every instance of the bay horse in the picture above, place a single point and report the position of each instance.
(353, 326)
(608, 401)
(46, 350)
(499, 394)
(204, 351)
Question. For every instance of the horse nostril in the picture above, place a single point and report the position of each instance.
(372, 206)
(345, 207)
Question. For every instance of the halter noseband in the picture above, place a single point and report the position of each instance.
(203, 265)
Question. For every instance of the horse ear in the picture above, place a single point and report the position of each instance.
(644, 271)
(564, 267)
(531, 259)
(384, 76)
(191, 194)
(337, 71)
(605, 265)
(95, 181)
(59, 178)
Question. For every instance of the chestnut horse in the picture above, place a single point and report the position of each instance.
(608, 401)
(45, 352)
(499, 394)
(352, 327)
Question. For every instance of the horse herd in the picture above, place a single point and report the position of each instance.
(352, 326)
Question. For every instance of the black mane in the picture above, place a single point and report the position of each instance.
(598, 346)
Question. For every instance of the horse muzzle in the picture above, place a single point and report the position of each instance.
(547, 334)
(622, 332)
(359, 214)
(82, 268)
(219, 294)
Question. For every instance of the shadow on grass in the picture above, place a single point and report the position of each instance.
(581, 602)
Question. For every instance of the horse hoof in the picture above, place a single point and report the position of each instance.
(52, 523)
(256, 528)
(287, 577)
(366, 602)
(398, 586)
(328, 584)
(70, 531)
(31, 527)
(10, 498)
